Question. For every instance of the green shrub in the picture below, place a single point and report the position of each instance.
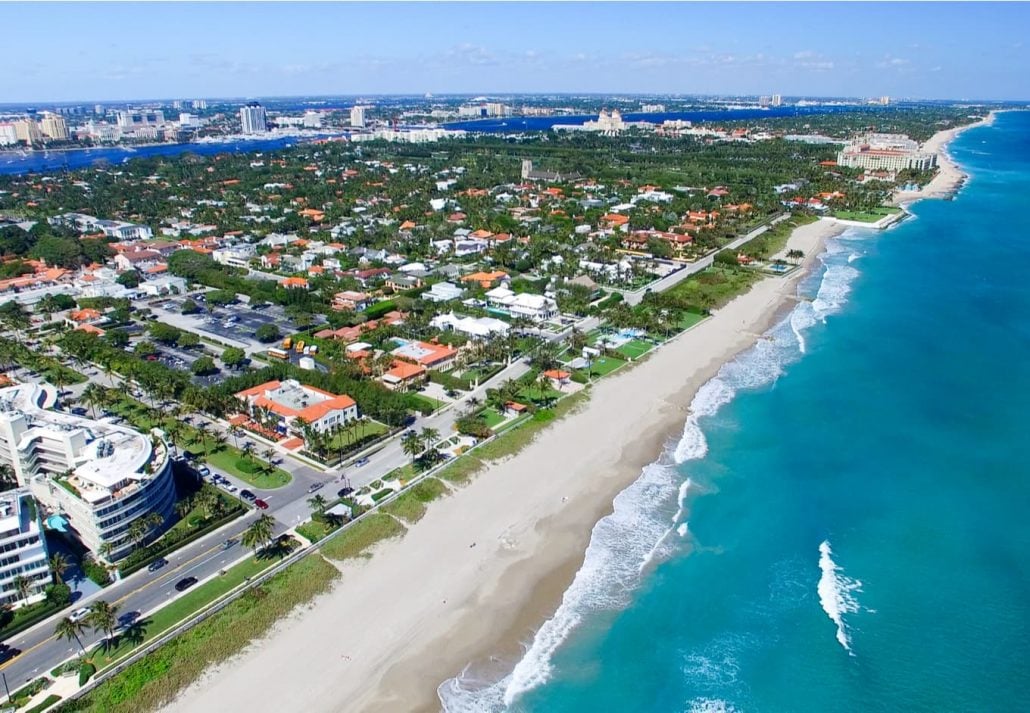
(46, 703)
(96, 571)
(86, 671)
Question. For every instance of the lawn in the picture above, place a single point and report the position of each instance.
(313, 530)
(491, 417)
(635, 348)
(355, 431)
(865, 216)
(155, 680)
(432, 403)
(410, 505)
(689, 319)
(604, 365)
(250, 470)
(362, 535)
(537, 395)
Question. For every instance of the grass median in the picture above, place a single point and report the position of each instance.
(158, 677)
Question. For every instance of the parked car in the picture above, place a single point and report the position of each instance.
(315, 486)
(229, 487)
(79, 614)
(157, 564)
(204, 470)
(260, 504)
(247, 495)
(183, 584)
(344, 492)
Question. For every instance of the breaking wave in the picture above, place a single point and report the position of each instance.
(651, 510)
(836, 593)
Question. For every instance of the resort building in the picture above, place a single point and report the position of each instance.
(293, 404)
(98, 478)
(886, 152)
(537, 308)
(23, 550)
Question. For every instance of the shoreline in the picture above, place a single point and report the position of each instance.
(427, 604)
(950, 177)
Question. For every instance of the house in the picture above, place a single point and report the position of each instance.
(477, 328)
(558, 377)
(443, 292)
(486, 280)
(403, 375)
(349, 299)
(536, 308)
(137, 259)
(235, 256)
(164, 285)
(295, 283)
(78, 318)
(401, 282)
(352, 334)
(292, 405)
(427, 354)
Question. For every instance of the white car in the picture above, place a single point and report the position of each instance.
(79, 614)
(231, 488)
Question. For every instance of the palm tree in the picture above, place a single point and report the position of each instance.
(68, 629)
(218, 439)
(202, 429)
(137, 533)
(102, 617)
(544, 384)
(8, 478)
(105, 549)
(411, 444)
(59, 564)
(234, 431)
(429, 436)
(183, 507)
(91, 395)
(318, 504)
(22, 585)
(259, 533)
(248, 449)
(268, 454)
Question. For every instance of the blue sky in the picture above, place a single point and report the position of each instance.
(83, 51)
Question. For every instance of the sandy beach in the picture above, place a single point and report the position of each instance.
(480, 572)
(949, 176)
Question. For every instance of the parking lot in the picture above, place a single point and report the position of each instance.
(234, 324)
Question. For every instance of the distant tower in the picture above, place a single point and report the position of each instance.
(527, 168)
(357, 117)
(886, 101)
(777, 100)
(253, 119)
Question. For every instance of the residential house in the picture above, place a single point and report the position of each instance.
(293, 405)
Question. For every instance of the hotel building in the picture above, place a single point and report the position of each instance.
(252, 119)
(886, 152)
(23, 550)
(98, 477)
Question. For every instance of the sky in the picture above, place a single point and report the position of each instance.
(127, 51)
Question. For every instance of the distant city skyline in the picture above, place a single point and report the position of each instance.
(129, 51)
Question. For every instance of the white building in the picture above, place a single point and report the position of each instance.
(357, 117)
(235, 255)
(886, 152)
(23, 550)
(536, 308)
(294, 404)
(443, 292)
(8, 134)
(475, 327)
(312, 120)
(137, 119)
(164, 285)
(98, 477)
(252, 119)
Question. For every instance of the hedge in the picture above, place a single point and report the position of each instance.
(447, 381)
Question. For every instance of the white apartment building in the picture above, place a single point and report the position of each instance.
(475, 327)
(253, 119)
(536, 308)
(357, 117)
(98, 477)
(8, 134)
(312, 120)
(23, 550)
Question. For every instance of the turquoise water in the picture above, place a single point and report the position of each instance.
(843, 526)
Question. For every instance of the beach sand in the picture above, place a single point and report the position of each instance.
(949, 177)
(488, 564)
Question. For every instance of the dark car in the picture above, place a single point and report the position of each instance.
(183, 584)
(229, 544)
(344, 492)
(157, 564)
(260, 504)
(247, 495)
(8, 652)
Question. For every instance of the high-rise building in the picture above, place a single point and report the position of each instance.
(313, 120)
(764, 101)
(100, 478)
(885, 101)
(357, 117)
(24, 549)
(777, 100)
(200, 103)
(27, 131)
(136, 119)
(252, 119)
(54, 126)
(8, 134)
(98, 109)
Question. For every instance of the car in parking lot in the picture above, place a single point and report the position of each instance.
(229, 487)
(204, 470)
(260, 504)
(183, 584)
(247, 495)
(157, 564)
(315, 486)
(79, 614)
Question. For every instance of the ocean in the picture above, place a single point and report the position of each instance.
(843, 524)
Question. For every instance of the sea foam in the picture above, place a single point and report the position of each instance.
(638, 532)
(836, 593)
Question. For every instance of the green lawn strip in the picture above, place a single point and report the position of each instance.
(461, 470)
(518, 420)
(604, 365)
(158, 677)
(168, 616)
(689, 319)
(233, 462)
(411, 504)
(491, 417)
(356, 431)
(433, 403)
(313, 530)
(362, 535)
(634, 348)
(44, 704)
